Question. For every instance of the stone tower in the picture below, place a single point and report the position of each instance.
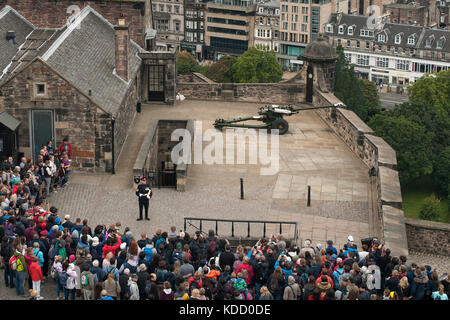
(319, 57)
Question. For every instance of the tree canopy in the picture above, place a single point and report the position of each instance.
(257, 66)
(221, 71)
(360, 96)
(410, 140)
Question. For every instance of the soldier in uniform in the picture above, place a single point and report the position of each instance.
(144, 193)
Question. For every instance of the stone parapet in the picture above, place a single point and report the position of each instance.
(428, 236)
(379, 157)
(276, 93)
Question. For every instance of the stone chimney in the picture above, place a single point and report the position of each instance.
(122, 47)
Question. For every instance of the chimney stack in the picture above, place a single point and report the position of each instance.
(122, 49)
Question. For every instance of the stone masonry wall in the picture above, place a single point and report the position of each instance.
(53, 13)
(124, 118)
(428, 236)
(374, 152)
(74, 114)
(276, 93)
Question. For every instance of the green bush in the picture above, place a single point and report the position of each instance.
(430, 209)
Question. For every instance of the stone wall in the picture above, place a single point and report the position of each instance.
(376, 153)
(75, 115)
(428, 236)
(276, 93)
(53, 13)
(125, 117)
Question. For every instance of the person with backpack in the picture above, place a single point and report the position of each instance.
(87, 283)
(19, 266)
(292, 290)
(112, 286)
(276, 284)
(69, 274)
(55, 271)
(6, 253)
(111, 269)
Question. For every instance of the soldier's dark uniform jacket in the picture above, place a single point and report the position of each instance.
(142, 191)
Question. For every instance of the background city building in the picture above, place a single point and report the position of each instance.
(267, 25)
(168, 17)
(393, 54)
(194, 27)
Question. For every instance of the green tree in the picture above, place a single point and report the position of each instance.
(370, 91)
(186, 63)
(411, 141)
(347, 87)
(430, 209)
(220, 71)
(257, 66)
(433, 88)
(441, 172)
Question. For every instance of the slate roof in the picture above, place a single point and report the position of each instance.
(9, 121)
(11, 20)
(84, 54)
(390, 30)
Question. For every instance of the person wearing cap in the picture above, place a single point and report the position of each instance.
(144, 193)
(66, 222)
(330, 246)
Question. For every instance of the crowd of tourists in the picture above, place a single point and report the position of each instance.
(111, 263)
(40, 245)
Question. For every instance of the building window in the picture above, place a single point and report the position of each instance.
(367, 45)
(177, 25)
(382, 38)
(348, 43)
(358, 44)
(341, 30)
(161, 7)
(329, 28)
(169, 8)
(382, 62)
(348, 57)
(350, 31)
(402, 65)
(40, 89)
(429, 42)
(398, 39)
(177, 9)
(362, 60)
(440, 43)
(366, 33)
(411, 40)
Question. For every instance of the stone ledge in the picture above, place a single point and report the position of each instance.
(386, 154)
(139, 164)
(394, 230)
(428, 224)
(390, 191)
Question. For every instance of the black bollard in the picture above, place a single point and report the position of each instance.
(242, 188)
(309, 196)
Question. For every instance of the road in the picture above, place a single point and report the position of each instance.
(389, 100)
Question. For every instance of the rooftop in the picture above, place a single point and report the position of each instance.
(88, 43)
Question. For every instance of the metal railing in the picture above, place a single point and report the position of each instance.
(248, 222)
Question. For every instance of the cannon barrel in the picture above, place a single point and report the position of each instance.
(317, 107)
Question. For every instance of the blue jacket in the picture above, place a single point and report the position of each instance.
(38, 253)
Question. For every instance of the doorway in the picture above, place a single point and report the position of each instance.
(156, 75)
(42, 122)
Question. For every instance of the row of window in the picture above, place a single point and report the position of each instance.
(176, 9)
(164, 25)
(285, 8)
(382, 37)
(190, 13)
(294, 37)
(190, 24)
(194, 37)
(396, 50)
(293, 17)
(400, 64)
(268, 21)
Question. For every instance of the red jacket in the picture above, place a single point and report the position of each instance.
(106, 249)
(249, 269)
(35, 271)
(69, 149)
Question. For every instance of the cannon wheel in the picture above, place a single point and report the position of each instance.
(280, 124)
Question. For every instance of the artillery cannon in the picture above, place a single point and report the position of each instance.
(271, 116)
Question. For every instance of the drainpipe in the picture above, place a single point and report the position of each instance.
(113, 170)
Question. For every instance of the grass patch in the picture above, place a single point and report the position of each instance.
(413, 197)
